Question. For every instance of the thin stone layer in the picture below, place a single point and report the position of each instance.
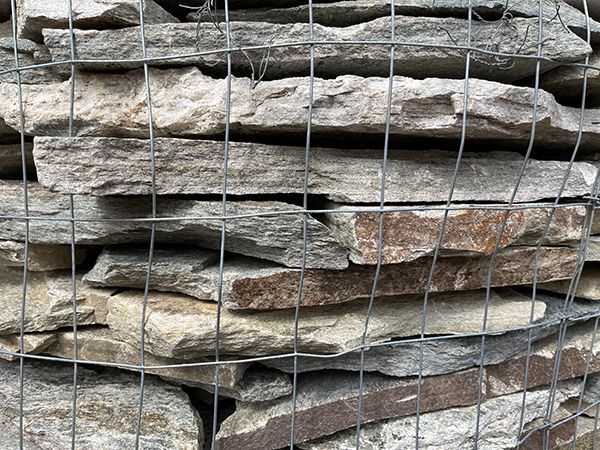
(182, 327)
(422, 60)
(115, 105)
(253, 284)
(40, 257)
(113, 166)
(265, 229)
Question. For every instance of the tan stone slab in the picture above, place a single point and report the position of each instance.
(33, 344)
(41, 257)
(588, 287)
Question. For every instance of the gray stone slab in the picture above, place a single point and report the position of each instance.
(566, 82)
(107, 405)
(183, 327)
(423, 60)
(115, 105)
(443, 356)
(254, 284)
(344, 13)
(35, 15)
(260, 229)
(588, 287)
(112, 166)
(30, 54)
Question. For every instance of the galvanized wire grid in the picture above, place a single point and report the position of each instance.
(470, 53)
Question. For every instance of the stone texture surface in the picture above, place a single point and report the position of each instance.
(443, 356)
(258, 384)
(254, 284)
(98, 344)
(268, 235)
(566, 83)
(593, 7)
(33, 344)
(326, 404)
(344, 13)
(30, 54)
(188, 103)
(408, 235)
(593, 249)
(48, 301)
(107, 405)
(164, 40)
(112, 166)
(35, 15)
(10, 160)
(453, 429)
(588, 287)
(182, 327)
(41, 257)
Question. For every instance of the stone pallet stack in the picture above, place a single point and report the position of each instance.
(98, 168)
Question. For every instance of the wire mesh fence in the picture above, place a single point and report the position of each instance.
(418, 337)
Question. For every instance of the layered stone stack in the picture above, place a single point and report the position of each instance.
(508, 354)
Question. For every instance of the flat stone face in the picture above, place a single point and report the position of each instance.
(33, 344)
(165, 40)
(41, 257)
(593, 249)
(566, 83)
(98, 344)
(588, 287)
(168, 418)
(408, 235)
(454, 429)
(48, 303)
(115, 105)
(344, 13)
(260, 232)
(182, 327)
(112, 166)
(10, 160)
(35, 15)
(254, 284)
(328, 403)
(442, 356)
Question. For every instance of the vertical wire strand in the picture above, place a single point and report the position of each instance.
(138, 427)
(72, 225)
(311, 88)
(443, 224)
(223, 227)
(506, 216)
(13, 7)
(384, 163)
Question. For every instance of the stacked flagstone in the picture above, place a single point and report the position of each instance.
(500, 359)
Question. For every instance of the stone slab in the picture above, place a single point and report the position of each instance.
(444, 356)
(593, 7)
(182, 327)
(254, 284)
(107, 405)
(344, 13)
(33, 344)
(258, 230)
(35, 15)
(98, 344)
(112, 166)
(411, 234)
(328, 403)
(593, 249)
(41, 257)
(30, 54)
(422, 60)
(48, 303)
(115, 105)
(566, 83)
(588, 287)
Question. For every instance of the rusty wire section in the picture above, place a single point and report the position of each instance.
(490, 55)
